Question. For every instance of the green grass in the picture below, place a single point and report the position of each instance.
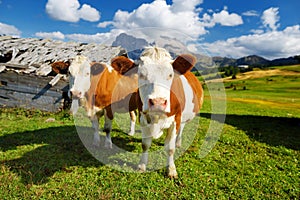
(293, 68)
(256, 157)
(273, 93)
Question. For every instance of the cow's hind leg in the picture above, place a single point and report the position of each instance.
(107, 129)
(95, 125)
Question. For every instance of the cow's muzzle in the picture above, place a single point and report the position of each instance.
(76, 94)
(157, 104)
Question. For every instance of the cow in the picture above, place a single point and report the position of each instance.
(169, 95)
(102, 89)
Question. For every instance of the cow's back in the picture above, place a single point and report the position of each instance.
(114, 88)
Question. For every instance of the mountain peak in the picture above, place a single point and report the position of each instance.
(130, 43)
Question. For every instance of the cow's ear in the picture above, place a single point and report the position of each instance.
(122, 64)
(97, 68)
(60, 67)
(184, 63)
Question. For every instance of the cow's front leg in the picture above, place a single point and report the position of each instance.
(170, 149)
(179, 135)
(146, 143)
(107, 130)
(132, 122)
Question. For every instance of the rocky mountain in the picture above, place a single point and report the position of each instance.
(252, 60)
(135, 46)
(224, 61)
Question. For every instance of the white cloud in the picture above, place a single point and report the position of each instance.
(207, 21)
(182, 16)
(88, 13)
(70, 11)
(250, 13)
(257, 31)
(270, 45)
(270, 18)
(52, 35)
(181, 20)
(6, 29)
(103, 38)
(226, 19)
(104, 24)
(184, 5)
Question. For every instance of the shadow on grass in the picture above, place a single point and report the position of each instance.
(274, 131)
(55, 149)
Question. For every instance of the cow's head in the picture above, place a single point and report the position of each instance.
(80, 76)
(79, 69)
(156, 73)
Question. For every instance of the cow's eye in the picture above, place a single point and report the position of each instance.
(170, 76)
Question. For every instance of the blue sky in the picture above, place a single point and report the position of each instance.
(232, 28)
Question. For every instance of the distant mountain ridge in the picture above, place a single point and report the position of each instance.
(135, 46)
(255, 61)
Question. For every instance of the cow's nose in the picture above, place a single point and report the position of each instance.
(157, 104)
(76, 94)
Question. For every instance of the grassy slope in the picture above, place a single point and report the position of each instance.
(257, 156)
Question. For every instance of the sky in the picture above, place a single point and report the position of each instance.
(231, 28)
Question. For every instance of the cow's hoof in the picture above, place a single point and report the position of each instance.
(108, 145)
(178, 143)
(142, 168)
(172, 173)
(131, 133)
(96, 143)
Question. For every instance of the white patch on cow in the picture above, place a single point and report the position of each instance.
(153, 125)
(187, 113)
(155, 76)
(110, 68)
(80, 70)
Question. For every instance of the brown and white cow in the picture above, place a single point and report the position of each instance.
(102, 89)
(169, 96)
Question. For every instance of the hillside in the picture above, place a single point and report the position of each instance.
(278, 71)
(262, 73)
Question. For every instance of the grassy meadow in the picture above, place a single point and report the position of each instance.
(256, 157)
